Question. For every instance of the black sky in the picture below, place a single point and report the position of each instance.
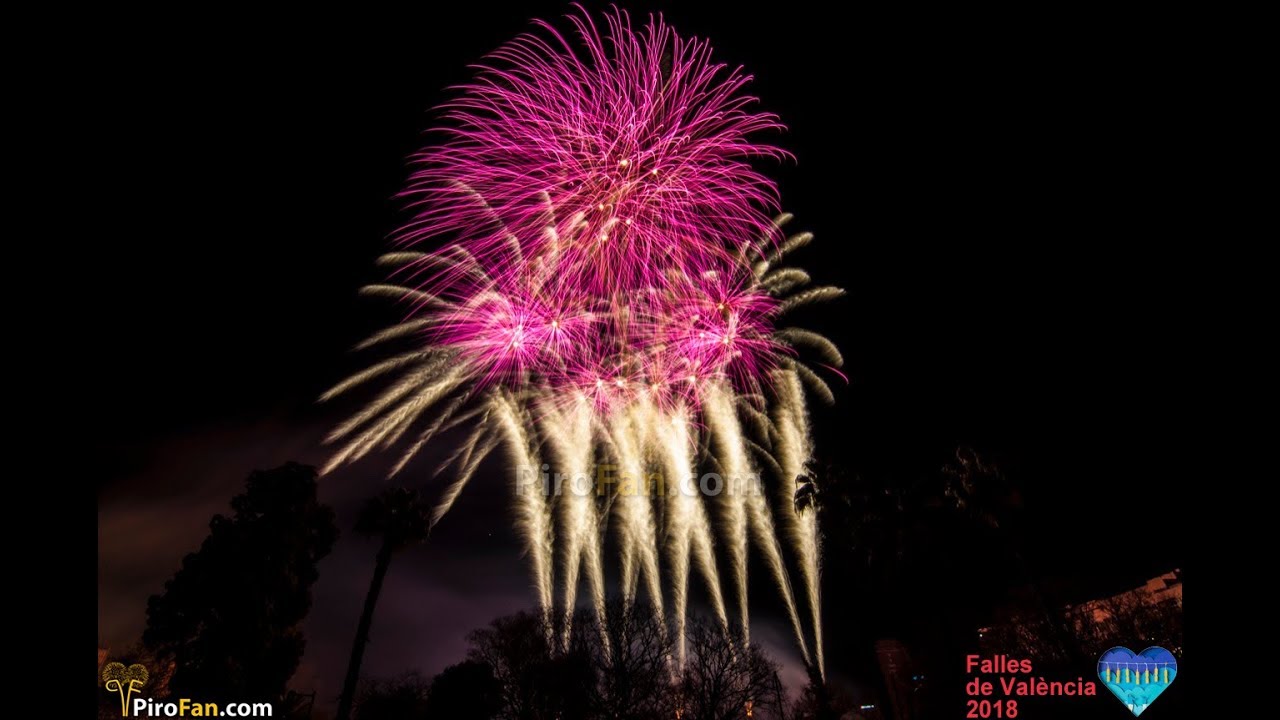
(992, 191)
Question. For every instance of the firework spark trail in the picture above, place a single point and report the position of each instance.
(688, 529)
(570, 434)
(794, 451)
(469, 456)
(679, 541)
(627, 567)
(750, 506)
(406, 399)
(634, 506)
(733, 504)
(531, 504)
(767, 539)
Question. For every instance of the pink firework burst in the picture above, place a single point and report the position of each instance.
(588, 225)
(618, 157)
(718, 325)
(601, 209)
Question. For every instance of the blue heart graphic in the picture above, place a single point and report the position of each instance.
(1137, 678)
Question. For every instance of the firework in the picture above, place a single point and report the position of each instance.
(592, 275)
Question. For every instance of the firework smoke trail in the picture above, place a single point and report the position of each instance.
(794, 451)
(688, 528)
(570, 432)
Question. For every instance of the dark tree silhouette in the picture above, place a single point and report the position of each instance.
(928, 552)
(633, 679)
(635, 675)
(535, 682)
(819, 700)
(466, 691)
(724, 681)
(401, 518)
(402, 698)
(1137, 616)
(519, 668)
(230, 619)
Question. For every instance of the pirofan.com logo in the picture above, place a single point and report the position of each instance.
(128, 681)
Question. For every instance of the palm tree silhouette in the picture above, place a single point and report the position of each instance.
(401, 518)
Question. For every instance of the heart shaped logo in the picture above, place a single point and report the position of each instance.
(1137, 678)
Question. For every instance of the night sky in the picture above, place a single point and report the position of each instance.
(990, 191)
